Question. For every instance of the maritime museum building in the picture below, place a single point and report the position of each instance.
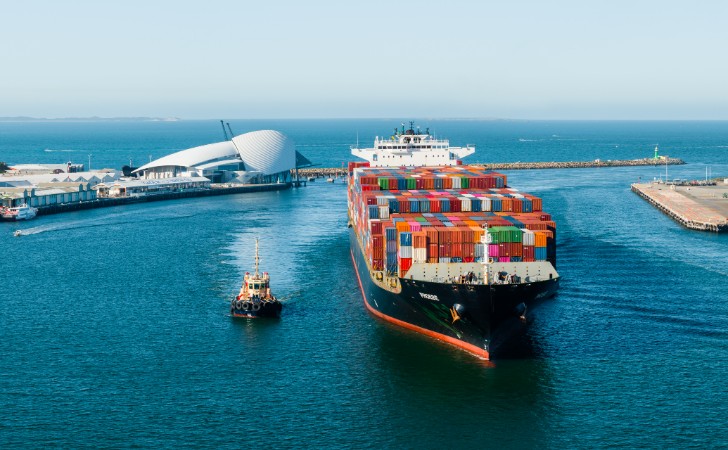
(265, 156)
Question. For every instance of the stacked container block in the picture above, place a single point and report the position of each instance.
(438, 215)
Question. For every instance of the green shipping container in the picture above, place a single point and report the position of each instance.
(502, 235)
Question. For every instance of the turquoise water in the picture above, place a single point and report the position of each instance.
(115, 331)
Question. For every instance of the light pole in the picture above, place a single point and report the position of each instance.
(666, 158)
(89, 161)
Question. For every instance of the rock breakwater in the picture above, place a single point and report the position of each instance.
(340, 172)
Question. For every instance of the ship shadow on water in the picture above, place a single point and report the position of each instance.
(255, 332)
(520, 345)
(424, 375)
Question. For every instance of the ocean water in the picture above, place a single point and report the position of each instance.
(115, 330)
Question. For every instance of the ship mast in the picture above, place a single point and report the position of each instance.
(257, 259)
(486, 239)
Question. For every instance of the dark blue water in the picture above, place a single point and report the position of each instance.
(114, 329)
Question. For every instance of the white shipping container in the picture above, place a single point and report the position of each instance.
(528, 237)
(405, 251)
(384, 212)
(465, 204)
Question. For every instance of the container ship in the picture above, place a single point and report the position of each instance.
(445, 249)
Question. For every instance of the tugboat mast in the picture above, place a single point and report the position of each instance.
(257, 259)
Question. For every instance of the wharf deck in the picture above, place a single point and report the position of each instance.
(171, 195)
(696, 207)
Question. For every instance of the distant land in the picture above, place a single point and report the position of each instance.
(90, 119)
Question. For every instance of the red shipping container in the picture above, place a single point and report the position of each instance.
(517, 205)
(528, 253)
(419, 239)
(405, 264)
(376, 228)
(433, 251)
(432, 237)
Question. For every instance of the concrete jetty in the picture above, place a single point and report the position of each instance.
(338, 172)
(702, 208)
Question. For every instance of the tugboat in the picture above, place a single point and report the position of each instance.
(255, 299)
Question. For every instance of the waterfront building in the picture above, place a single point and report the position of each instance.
(27, 180)
(37, 169)
(135, 187)
(47, 194)
(257, 157)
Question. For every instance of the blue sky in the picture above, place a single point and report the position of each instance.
(445, 59)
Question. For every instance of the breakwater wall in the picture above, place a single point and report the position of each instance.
(172, 195)
(334, 171)
(690, 211)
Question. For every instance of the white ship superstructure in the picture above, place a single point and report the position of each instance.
(412, 148)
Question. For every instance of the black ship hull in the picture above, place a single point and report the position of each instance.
(475, 317)
(253, 310)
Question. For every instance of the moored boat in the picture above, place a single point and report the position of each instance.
(255, 298)
(22, 212)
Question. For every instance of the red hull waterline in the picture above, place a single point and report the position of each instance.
(479, 352)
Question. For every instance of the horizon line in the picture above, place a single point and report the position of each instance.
(179, 119)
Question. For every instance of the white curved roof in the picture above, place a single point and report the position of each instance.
(194, 156)
(267, 151)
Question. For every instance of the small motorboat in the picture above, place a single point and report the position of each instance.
(255, 298)
(18, 233)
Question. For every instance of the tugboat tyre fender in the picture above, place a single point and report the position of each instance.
(238, 304)
(256, 306)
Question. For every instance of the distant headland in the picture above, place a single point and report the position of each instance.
(89, 119)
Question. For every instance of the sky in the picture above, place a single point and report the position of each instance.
(572, 60)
